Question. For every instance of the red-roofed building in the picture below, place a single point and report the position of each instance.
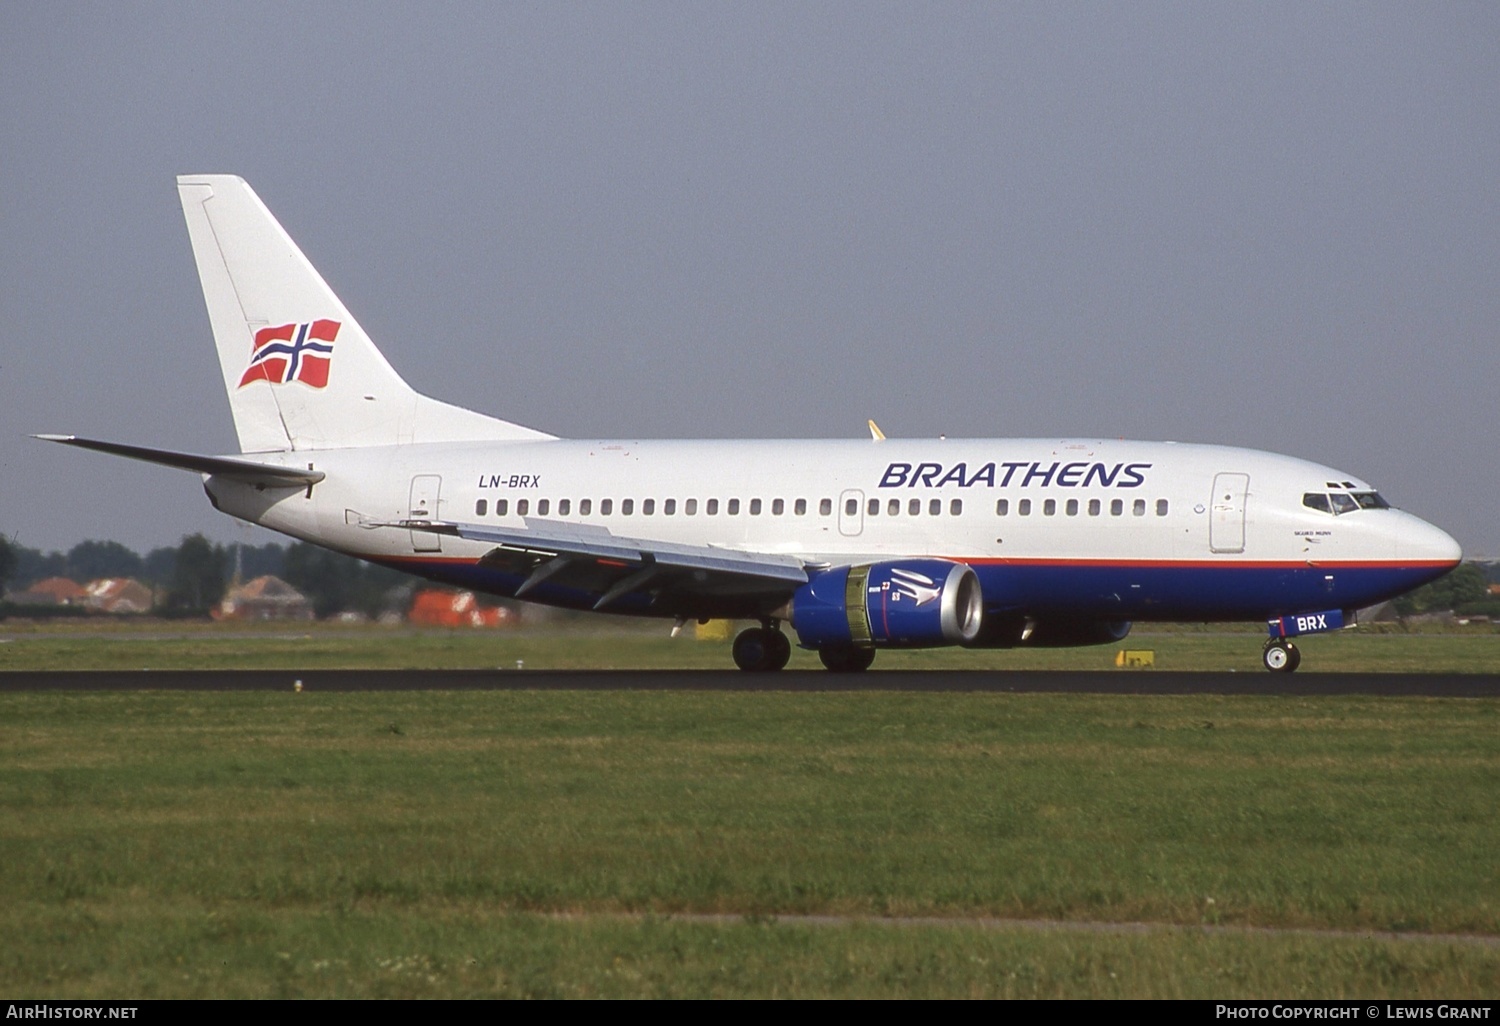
(54, 591)
(265, 598)
(118, 595)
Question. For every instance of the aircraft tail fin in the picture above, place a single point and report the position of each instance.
(300, 371)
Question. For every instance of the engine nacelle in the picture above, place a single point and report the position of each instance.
(914, 603)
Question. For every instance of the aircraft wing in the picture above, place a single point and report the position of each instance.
(595, 558)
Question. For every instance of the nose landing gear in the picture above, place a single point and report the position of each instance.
(1280, 656)
(762, 649)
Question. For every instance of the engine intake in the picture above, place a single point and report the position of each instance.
(914, 603)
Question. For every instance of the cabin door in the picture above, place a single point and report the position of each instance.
(851, 512)
(424, 506)
(1226, 525)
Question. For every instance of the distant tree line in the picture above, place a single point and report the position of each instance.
(1464, 591)
(192, 577)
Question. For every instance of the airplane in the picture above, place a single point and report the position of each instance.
(855, 545)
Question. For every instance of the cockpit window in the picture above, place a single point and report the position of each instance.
(1341, 502)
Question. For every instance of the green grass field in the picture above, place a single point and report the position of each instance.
(541, 844)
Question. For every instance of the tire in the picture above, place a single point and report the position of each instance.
(750, 650)
(761, 650)
(1280, 656)
(847, 660)
(778, 650)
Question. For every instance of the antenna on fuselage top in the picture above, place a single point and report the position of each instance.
(876, 435)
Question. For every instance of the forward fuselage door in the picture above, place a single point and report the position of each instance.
(851, 512)
(424, 506)
(1226, 525)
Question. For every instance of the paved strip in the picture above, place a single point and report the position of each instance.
(1027, 925)
(1128, 682)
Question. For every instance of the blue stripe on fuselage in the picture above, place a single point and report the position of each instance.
(1079, 590)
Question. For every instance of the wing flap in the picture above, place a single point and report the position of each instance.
(593, 557)
(557, 538)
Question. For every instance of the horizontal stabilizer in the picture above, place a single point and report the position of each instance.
(247, 471)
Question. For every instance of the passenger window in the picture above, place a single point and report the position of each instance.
(1094, 507)
(800, 508)
(935, 508)
(874, 508)
(606, 507)
(778, 507)
(893, 507)
(1002, 507)
(627, 507)
(1161, 507)
(956, 507)
(1049, 507)
(1343, 503)
(1116, 507)
(522, 506)
(914, 508)
(734, 507)
(755, 507)
(542, 505)
(1072, 507)
(851, 507)
(563, 506)
(585, 507)
(712, 507)
(690, 507)
(1024, 507)
(648, 507)
(481, 508)
(1138, 508)
(825, 508)
(669, 508)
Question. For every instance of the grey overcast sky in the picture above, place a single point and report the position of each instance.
(1263, 224)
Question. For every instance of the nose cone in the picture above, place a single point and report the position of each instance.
(1418, 542)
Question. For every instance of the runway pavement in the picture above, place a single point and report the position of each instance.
(1129, 682)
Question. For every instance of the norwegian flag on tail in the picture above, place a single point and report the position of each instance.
(293, 352)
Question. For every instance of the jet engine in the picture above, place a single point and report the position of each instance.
(912, 603)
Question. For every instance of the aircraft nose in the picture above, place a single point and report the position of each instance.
(1419, 541)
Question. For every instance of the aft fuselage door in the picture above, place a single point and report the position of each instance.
(851, 512)
(1226, 525)
(424, 506)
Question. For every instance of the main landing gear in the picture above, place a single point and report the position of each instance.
(1280, 656)
(762, 649)
(847, 660)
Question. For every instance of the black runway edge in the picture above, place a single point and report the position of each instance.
(1127, 682)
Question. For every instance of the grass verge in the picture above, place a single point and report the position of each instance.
(417, 844)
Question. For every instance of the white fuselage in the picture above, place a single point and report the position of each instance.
(1029, 514)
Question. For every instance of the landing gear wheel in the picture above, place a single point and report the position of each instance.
(761, 650)
(847, 660)
(1281, 656)
(778, 649)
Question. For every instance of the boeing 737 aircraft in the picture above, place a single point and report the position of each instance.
(855, 545)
